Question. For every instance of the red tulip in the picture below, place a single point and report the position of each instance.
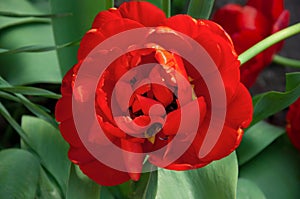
(293, 124)
(167, 118)
(250, 24)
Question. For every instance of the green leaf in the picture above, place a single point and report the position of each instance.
(51, 148)
(18, 6)
(28, 65)
(35, 109)
(46, 187)
(26, 90)
(19, 32)
(216, 180)
(276, 170)
(248, 190)
(158, 3)
(13, 122)
(151, 187)
(166, 6)
(19, 171)
(200, 9)
(35, 48)
(72, 28)
(80, 186)
(269, 103)
(257, 138)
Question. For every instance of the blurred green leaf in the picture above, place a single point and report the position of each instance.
(80, 186)
(166, 6)
(19, 171)
(257, 138)
(269, 103)
(248, 190)
(200, 9)
(276, 170)
(216, 180)
(72, 28)
(26, 90)
(158, 3)
(48, 143)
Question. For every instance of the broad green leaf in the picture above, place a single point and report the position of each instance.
(269, 103)
(30, 67)
(35, 48)
(257, 138)
(216, 180)
(48, 143)
(73, 27)
(105, 193)
(22, 33)
(27, 90)
(144, 188)
(200, 9)
(19, 171)
(248, 190)
(80, 186)
(276, 170)
(151, 188)
(17, 6)
(46, 187)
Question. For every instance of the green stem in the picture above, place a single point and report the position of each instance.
(268, 42)
(286, 61)
(166, 5)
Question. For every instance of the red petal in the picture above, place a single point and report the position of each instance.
(162, 94)
(139, 11)
(103, 174)
(147, 103)
(89, 41)
(63, 109)
(123, 95)
(174, 118)
(133, 161)
(271, 8)
(80, 155)
(184, 24)
(239, 109)
(105, 17)
(68, 131)
(228, 17)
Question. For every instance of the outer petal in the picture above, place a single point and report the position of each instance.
(229, 16)
(293, 126)
(140, 12)
(103, 174)
(239, 109)
(105, 17)
(271, 8)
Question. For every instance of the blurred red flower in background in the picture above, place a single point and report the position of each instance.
(249, 24)
(209, 35)
(293, 124)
